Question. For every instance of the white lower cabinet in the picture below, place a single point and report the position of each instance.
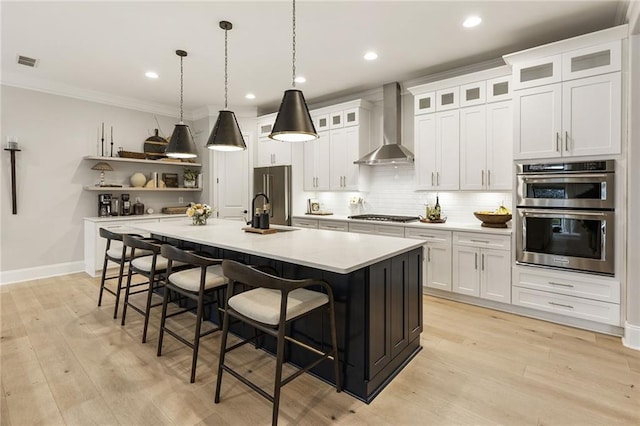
(304, 223)
(577, 295)
(333, 225)
(437, 256)
(481, 266)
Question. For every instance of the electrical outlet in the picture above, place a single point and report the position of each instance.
(180, 200)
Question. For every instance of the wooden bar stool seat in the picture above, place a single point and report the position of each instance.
(119, 254)
(203, 284)
(270, 307)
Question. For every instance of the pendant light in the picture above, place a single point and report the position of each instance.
(226, 135)
(181, 143)
(293, 123)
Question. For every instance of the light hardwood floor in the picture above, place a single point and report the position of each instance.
(66, 361)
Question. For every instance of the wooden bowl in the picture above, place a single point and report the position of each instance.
(493, 220)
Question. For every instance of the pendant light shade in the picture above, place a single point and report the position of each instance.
(293, 122)
(181, 144)
(226, 135)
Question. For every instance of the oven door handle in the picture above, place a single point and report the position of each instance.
(556, 213)
(556, 178)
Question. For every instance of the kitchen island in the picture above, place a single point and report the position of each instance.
(376, 281)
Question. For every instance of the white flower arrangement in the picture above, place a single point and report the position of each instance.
(199, 213)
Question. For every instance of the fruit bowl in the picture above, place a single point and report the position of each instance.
(492, 219)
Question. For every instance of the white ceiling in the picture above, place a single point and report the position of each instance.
(106, 47)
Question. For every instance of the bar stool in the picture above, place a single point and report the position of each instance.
(270, 307)
(153, 267)
(120, 256)
(198, 284)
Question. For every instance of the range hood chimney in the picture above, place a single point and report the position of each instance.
(391, 152)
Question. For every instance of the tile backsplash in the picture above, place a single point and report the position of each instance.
(391, 191)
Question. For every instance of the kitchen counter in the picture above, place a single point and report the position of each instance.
(341, 253)
(447, 226)
(376, 282)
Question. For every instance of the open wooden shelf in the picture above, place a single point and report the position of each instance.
(138, 189)
(135, 160)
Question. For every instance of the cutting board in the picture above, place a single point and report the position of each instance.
(260, 231)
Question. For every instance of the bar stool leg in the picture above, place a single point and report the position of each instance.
(223, 352)
(278, 380)
(115, 309)
(126, 297)
(196, 340)
(163, 317)
(103, 279)
(334, 342)
(147, 309)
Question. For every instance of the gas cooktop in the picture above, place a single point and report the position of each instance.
(385, 218)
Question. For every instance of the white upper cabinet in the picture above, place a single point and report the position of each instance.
(499, 146)
(317, 155)
(473, 94)
(448, 99)
(424, 103)
(273, 153)
(537, 122)
(351, 117)
(265, 125)
(576, 118)
(537, 72)
(473, 147)
(601, 59)
(437, 149)
(336, 120)
(321, 122)
(592, 115)
(499, 89)
(344, 148)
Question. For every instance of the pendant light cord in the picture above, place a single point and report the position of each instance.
(226, 74)
(293, 82)
(181, 89)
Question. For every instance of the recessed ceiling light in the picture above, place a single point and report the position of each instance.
(151, 74)
(250, 96)
(300, 79)
(472, 21)
(371, 56)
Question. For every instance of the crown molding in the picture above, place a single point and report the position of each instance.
(39, 85)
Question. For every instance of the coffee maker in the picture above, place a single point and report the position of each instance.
(126, 205)
(104, 205)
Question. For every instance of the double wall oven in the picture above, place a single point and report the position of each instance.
(566, 216)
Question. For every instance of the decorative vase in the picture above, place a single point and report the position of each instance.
(138, 180)
(189, 183)
(199, 220)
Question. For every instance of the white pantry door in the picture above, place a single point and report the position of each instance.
(231, 183)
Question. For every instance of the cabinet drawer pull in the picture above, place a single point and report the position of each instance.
(426, 236)
(480, 241)
(560, 304)
(438, 178)
(483, 261)
(431, 178)
(488, 177)
(566, 141)
(558, 141)
(561, 284)
(482, 178)
(429, 254)
(476, 256)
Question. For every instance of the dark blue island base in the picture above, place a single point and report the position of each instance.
(378, 316)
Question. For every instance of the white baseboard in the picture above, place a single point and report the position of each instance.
(17, 275)
(631, 337)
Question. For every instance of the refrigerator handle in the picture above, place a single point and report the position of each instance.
(286, 197)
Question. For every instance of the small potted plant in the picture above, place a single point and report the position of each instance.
(190, 177)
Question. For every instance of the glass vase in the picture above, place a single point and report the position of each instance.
(199, 220)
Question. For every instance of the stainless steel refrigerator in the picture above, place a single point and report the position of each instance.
(275, 182)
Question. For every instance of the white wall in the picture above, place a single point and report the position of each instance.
(54, 133)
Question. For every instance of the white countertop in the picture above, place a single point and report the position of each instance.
(447, 226)
(340, 252)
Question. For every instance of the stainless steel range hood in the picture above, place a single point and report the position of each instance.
(391, 152)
